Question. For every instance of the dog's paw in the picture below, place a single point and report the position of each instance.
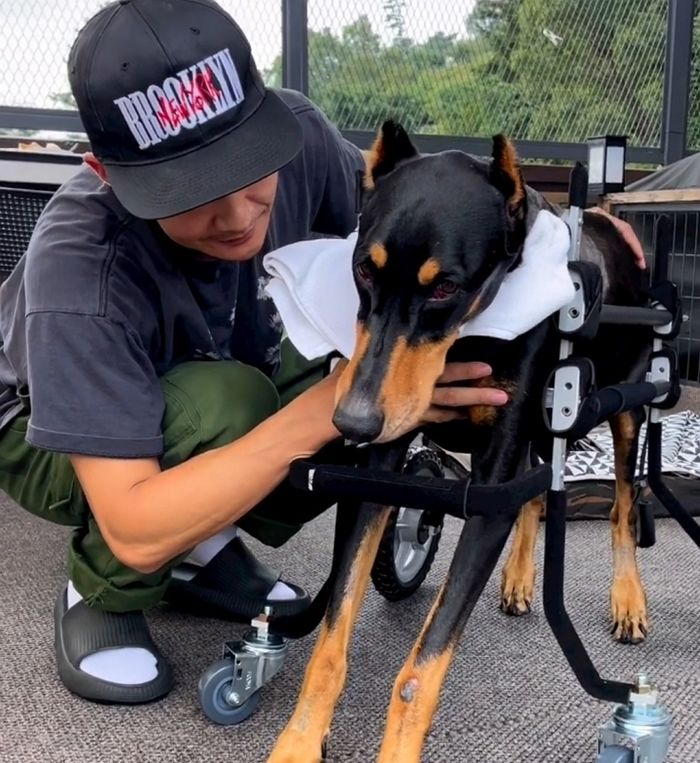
(517, 586)
(629, 611)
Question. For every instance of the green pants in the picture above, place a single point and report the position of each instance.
(208, 404)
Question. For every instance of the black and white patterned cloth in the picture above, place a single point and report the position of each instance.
(593, 458)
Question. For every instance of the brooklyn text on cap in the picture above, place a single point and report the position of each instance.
(174, 105)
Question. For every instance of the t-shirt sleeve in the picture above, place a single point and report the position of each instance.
(92, 388)
(342, 185)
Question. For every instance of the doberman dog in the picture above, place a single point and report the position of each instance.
(437, 235)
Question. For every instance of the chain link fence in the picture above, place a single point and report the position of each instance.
(550, 70)
(693, 139)
(37, 36)
(539, 70)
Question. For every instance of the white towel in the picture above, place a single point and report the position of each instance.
(312, 285)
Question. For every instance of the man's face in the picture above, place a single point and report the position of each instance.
(232, 228)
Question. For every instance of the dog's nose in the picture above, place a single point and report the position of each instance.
(358, 421)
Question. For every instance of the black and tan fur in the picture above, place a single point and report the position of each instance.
(437, 235)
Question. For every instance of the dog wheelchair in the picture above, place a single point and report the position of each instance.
(432, 484)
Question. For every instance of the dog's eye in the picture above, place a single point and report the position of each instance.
(364, 273)
(444, 290)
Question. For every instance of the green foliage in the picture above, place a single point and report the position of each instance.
(559, 70)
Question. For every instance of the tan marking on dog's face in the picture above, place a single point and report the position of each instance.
(348, 374)
(409, 381)
(303, 737)
(378, 255)
(429, 271)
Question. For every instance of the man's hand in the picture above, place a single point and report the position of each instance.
(449, 400)
(627, 232)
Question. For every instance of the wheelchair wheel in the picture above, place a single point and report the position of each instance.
(214, 688)
(411, 538)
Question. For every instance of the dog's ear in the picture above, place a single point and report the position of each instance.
(505, 174)
(391, 146)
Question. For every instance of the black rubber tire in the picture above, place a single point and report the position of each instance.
(213, 687)
(616, 754)
(427, 463)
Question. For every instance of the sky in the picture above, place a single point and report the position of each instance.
(37, 34)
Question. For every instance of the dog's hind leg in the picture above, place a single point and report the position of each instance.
(518, 577)
(627, 596)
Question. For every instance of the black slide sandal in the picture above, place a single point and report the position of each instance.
(232, 586)
(82, 630)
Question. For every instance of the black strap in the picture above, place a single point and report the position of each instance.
(305, 622)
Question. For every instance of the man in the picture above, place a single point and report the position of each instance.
(146, 395)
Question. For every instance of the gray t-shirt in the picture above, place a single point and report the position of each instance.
(102, 304)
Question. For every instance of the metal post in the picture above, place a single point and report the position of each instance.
(679, 40)
(295, 45)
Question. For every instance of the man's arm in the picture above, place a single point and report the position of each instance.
(148, 516)
(627, 233)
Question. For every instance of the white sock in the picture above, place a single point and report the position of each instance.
(121, 665)
(205, 551)
(281, 592)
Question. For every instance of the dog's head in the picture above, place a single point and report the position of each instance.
(437, 235)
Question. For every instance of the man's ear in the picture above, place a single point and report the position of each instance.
(391, 146)
(96, 166)
(505, 174)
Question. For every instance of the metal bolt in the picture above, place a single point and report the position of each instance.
(566, 411)
(234, 698)
(573, 313)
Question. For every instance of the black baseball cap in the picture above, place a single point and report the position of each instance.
(174, 106)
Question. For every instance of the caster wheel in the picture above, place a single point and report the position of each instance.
(616, 754)
(410, 540)
(214, 686)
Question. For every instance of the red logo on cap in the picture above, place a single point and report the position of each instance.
(191, 100)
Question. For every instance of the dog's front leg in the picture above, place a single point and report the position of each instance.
(415, 696)
(416, 691)
(303, 739)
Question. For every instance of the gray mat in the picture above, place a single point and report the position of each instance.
(509, 695)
